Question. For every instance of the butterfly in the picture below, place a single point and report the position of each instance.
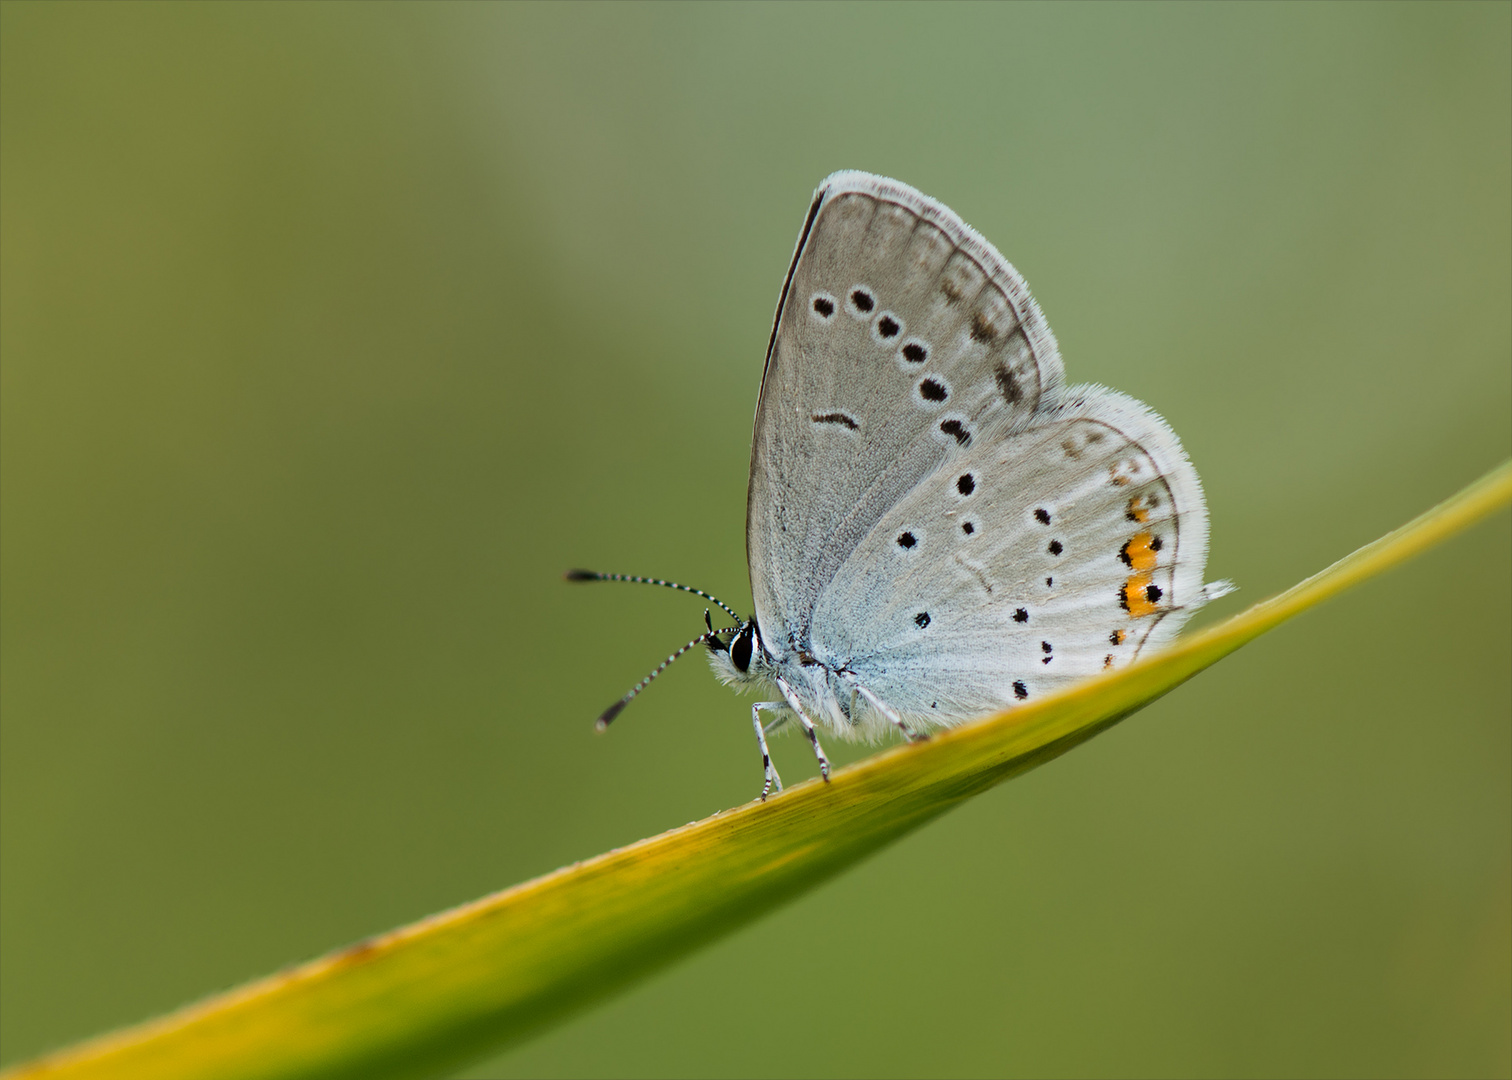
(938, 528)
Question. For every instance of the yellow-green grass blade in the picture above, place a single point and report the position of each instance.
(428, 997)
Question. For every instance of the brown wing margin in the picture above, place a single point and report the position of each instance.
(787, 282)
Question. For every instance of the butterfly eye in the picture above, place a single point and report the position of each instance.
(740, 650)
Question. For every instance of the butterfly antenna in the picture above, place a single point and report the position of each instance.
(614, 710)
(593, 575)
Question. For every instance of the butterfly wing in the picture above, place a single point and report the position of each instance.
(1029, 560)
(901, 338)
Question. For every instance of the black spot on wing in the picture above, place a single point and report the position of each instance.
(957, 430)
(922, 619)
(1021, 615)
(907, 540)
(1020, 691)
(1008, 384)
(835, 418)
(931, 390)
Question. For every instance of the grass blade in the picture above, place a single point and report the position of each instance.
(430, 996)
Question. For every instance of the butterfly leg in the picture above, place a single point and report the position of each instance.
(808, 727)
(888, 711)
(766, 755)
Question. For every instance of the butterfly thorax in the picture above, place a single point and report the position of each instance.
(747, 662)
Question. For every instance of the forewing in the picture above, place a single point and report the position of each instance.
(902, 337)
(1029, 560)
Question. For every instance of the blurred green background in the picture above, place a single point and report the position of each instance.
(333, 334)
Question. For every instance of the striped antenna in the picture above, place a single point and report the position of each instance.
(614, 710)
(723, 629)
(594, 575)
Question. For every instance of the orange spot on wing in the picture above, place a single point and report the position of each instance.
(1139, 509)
(1138, 554)
(1135, 600)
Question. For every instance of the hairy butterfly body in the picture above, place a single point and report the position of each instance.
(937, 528)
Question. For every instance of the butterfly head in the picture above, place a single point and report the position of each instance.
(738, 662)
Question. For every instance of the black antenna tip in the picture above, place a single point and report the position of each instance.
(581, 575)
(610, 713)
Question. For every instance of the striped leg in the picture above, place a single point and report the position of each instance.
(808, 727)
(782, 718)
(886, 710)
(766, 755)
